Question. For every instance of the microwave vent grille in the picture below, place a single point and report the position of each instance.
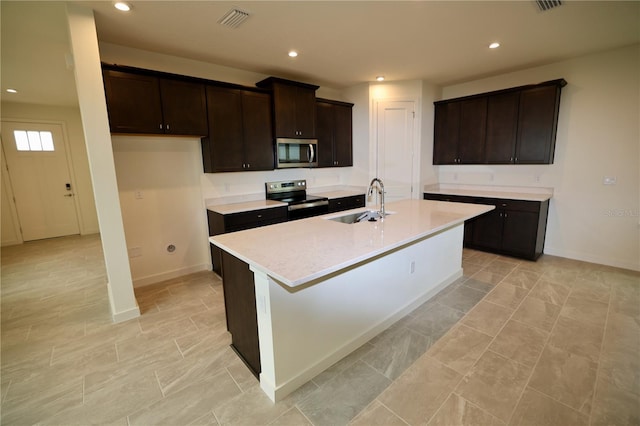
(233, 18)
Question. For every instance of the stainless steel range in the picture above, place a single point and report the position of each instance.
(294, 193)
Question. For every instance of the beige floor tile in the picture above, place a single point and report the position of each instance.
(577, 337)
(494, 384)
(560, 275)
(566, 377)
(487, 317)
(591, 290)
(489, 277)
(189, 403)
(377, 414)
(292, 417)
(586, 310)
(343, 364)
(462, 298)
(418, 393)
(460, 348)
(550, 292)
(340, 399)
(536, 408)
(520, 342)
(614, 406)
(242, 375)
(458, 411)
(56, 326)
(524, 278)
(251, 408)
(537, 313)
(507, 295)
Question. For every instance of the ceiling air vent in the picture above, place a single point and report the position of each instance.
(544, 5)
(234, 18)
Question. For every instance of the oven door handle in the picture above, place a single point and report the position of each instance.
(308, 205)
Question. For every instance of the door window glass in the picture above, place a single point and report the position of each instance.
(33, 140)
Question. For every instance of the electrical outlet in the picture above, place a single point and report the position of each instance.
(138, 194)
(609, 180)
(536, 178)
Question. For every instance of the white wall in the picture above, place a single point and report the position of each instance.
(598, 135)
(161, 201)
(70, 118)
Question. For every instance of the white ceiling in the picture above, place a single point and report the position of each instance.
(341, 43)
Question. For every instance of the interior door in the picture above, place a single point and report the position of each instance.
(395, 148)
(40, 179)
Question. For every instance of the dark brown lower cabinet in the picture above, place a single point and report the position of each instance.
(240, 307)
(346, 203)
(224, 223)
(515, 228)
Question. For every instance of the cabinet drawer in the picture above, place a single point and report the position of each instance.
(521, 205)
(452, 198)
(254, 218)
(346, 203)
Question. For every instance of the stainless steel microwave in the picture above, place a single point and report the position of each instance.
(296, 153)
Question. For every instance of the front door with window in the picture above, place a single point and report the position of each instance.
(40, 179)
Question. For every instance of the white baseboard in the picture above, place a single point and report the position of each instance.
(585, 257)
(167, 275)
(126, 315)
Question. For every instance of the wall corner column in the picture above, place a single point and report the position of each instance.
(95, 123)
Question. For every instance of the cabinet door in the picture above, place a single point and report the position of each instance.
(537, 123)
(133, 103)
(343, 136)
(487, 230)
(305, 112)
(520, 232)
(502, 121)
(240, 307)
(471, 136)
(258, 134)
(184, 107)
(325, 124)
(225, 129)
(284, 108)
(445, 137)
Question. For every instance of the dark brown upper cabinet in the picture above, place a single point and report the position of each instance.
(294, 107)
(511, 126)
(460, 131)
(240, 132)
(140, 103)
(334, 131)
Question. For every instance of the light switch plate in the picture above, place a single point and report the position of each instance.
(609, 180)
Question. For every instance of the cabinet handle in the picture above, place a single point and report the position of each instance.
(167, 127)
(160, 126)
(511, 160)
(504, 205)
(248, 166)
(259, 216)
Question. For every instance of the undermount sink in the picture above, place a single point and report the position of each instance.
(366, 216)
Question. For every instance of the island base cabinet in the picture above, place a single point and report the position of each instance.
(240, 307)
(304, 330)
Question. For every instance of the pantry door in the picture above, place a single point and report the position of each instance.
(395, 148)
(40, 179)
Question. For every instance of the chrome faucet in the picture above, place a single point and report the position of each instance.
(380, 191)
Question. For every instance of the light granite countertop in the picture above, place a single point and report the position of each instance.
(304, 250)
(504, 192)
(256, 201)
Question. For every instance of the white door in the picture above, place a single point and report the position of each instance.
(394, 163)
(40, 179)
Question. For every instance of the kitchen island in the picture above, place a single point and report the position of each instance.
(323, 288)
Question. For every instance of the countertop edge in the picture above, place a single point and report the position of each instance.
(352, 261)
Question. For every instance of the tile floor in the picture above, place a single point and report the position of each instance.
(555, 342)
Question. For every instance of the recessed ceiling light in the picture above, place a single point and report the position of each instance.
(122, 6)
(12, 91)
(293, 54)
(494, 45)
(380, 78)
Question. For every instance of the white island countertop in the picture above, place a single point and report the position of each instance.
(301, 251)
